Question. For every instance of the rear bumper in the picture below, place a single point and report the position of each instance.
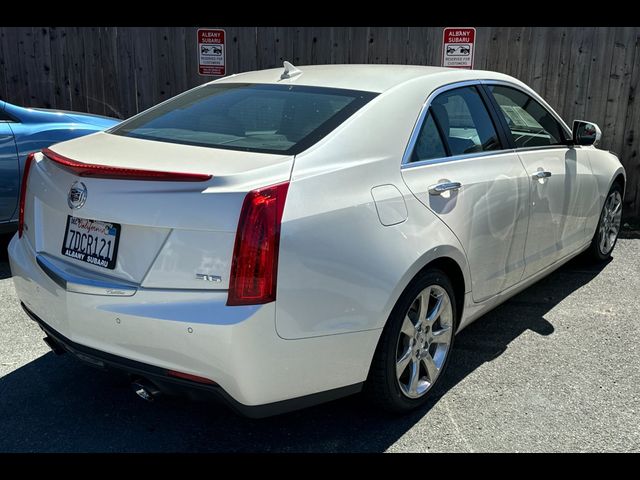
(176, 386)
(194, 332)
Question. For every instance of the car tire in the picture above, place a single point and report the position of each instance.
(400, 385)
(606, 235)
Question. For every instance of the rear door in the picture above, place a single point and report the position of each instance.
(9, 174)
(459, 167)
(560, 176)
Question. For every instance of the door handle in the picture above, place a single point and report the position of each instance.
(440, 188)
(540, 174)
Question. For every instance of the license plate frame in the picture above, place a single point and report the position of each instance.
(89, 240)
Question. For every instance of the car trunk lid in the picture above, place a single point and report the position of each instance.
(171, 234)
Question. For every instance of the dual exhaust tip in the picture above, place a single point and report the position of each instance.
(143, 388)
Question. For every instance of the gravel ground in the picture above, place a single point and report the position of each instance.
(554, 369)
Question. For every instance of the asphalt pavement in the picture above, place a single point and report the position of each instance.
(557, 368)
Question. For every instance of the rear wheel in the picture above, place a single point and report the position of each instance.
(608, 228)
(415, 345)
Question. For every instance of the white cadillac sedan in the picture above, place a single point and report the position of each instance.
(280, 238)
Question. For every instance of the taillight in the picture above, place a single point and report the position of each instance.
(106, 171)
(254, 267)
(23, 193)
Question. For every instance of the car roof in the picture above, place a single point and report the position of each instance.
(372, 78)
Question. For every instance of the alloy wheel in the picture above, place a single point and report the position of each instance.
(610, 222)
(424, 341)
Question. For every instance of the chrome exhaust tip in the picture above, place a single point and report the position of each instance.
(145, 390)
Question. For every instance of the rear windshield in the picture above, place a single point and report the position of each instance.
(266, 118)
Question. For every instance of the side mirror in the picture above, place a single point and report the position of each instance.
(585, 133)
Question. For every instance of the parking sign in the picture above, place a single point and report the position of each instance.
(458, 45)
(211, 54)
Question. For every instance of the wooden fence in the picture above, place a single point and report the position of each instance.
(589, 73)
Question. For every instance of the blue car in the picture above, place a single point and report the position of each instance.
(25, 130)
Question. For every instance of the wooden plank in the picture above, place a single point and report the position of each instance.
(3, 68)
(513, 39)
(8, 63)
(339, 38)
(321, 51)
(303, 46)
(553, 42)
(599, 77)
(630, 150)
(92, 71)
(434, 46)
(378, 46)
(483, 48)
(248, 49)
(577, 77)
(618, 87)
(423, 45)
(191, 58)
(57, 43)
(73, 67)
(126, 71)
(144, 70)
(38, 64)
(523, 51)
(112, 91)
(358, 44)
(538, 69)
(24, 51)
(417, 46)
(284, 46)
(158, 77)
(397, 49)
(498, 46)
(266, 48)
(564, 58)
(231, 50)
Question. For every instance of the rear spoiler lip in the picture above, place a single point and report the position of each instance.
(120, 173)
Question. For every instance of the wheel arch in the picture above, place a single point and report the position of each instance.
(621, 179)
(451, 268)
(452, 263)
(449, 260)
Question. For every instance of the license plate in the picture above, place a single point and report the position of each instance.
(91, 241)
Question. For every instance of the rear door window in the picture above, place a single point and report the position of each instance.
(429, 143)
(465, 122)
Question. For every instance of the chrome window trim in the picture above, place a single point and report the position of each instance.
(455, 158)
(547, 147)
(406, 163)
(536, 97)
(418, 125)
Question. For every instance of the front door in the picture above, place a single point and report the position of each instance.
(560, 178)
(460, 169)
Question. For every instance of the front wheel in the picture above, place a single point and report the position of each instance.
(415, 345)
(608, 228)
